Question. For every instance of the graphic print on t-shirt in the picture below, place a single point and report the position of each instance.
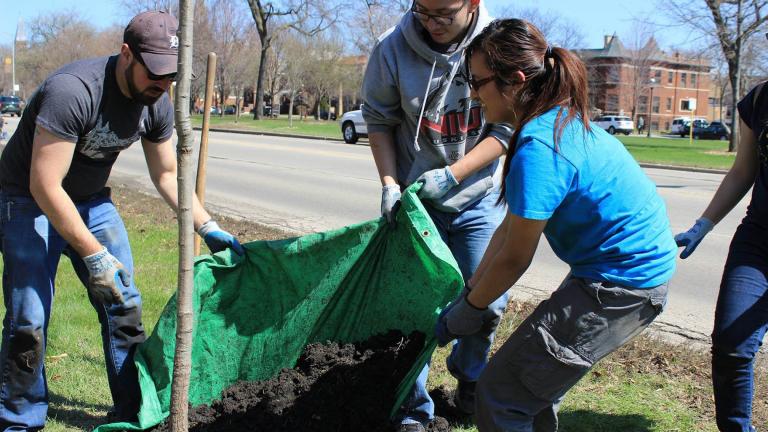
(102, 142)
(449, 121)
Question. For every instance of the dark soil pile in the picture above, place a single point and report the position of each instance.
(334, 387)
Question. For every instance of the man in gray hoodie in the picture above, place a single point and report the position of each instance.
(423, 126)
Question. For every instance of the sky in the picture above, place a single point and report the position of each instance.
(594, 18)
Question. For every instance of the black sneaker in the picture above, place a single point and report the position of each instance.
(410, 427)
(464, 398)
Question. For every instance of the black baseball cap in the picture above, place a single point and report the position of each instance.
(152, 36)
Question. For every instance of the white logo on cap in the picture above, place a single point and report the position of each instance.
(174, 41)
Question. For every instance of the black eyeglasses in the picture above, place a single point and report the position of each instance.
(475, 84)
(443, 20)
(150, 75)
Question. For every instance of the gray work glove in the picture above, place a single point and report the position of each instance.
(459, 319)
(390, 195)
(107, 277)
(691, 238)
(437, 182)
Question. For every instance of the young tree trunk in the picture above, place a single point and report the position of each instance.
(182, 361)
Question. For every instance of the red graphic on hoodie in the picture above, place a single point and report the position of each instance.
(453, 125)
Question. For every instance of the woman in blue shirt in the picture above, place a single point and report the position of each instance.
(580, 188)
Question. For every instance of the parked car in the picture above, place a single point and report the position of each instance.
(613, 124)
(697, 124)
(230, 110)
(12, 105)
(353, 126)
(713, 131)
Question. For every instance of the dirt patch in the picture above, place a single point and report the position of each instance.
(153, 211)
(334, 387)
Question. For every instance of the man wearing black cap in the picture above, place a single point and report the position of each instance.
(53, 201)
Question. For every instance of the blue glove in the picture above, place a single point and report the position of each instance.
(437, 183)
(459, 319)
(217, 239)
(691, 238)
(390, 195)
(107, 277)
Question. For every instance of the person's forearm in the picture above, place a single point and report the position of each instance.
(503, 271)
(167, 185)
(494, 246)
(383, 150)
(485, 152)
(733, 188)
(63, 215)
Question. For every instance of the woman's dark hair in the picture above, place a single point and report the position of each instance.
(553, 76)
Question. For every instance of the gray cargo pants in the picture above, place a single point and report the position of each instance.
(582, 322)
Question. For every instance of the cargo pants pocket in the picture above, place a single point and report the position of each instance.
(547, 368)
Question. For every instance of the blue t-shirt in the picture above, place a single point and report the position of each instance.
(605, 218)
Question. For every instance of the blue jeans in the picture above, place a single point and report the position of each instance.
(467, 235)
(31, 250)
(741, 321)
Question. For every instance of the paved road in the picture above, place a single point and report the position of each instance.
(308, 185)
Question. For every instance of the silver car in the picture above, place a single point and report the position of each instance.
(353, 126)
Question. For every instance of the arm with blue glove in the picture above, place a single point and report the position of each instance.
(734, 186)
(161, 162)
(217, 239)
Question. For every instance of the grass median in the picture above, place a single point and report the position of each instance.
(656, 150)
(646, 386)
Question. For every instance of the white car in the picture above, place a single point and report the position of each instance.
(353, 126)
(614, 124)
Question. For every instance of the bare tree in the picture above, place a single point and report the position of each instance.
(135, 7)
(558, 29)
(229, 21)
(58, 38)
(294, 68)
(642, 52)
(272, 17)
(371, 18)
(182, 360)
(734, 22)
(323, 69)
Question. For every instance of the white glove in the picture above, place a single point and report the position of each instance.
(390, 195)
(107, 277)
(437, 183)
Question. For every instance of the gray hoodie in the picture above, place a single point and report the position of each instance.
(399, 75)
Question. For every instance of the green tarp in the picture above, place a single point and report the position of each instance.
(253, 316)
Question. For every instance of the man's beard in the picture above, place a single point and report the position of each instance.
(140, 97)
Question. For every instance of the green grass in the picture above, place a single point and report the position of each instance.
(677, 151)
(645, 386)
(309, 127)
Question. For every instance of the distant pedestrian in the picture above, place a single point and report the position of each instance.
(576, 185)
(741, 314)
(54, 201)
(640, 125)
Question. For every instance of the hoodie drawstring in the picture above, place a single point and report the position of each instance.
(423, 106)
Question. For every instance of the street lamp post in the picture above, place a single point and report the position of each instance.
(651, 84)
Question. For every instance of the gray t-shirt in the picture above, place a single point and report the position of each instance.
(82, 103)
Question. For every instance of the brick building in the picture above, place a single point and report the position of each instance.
(623, 81)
